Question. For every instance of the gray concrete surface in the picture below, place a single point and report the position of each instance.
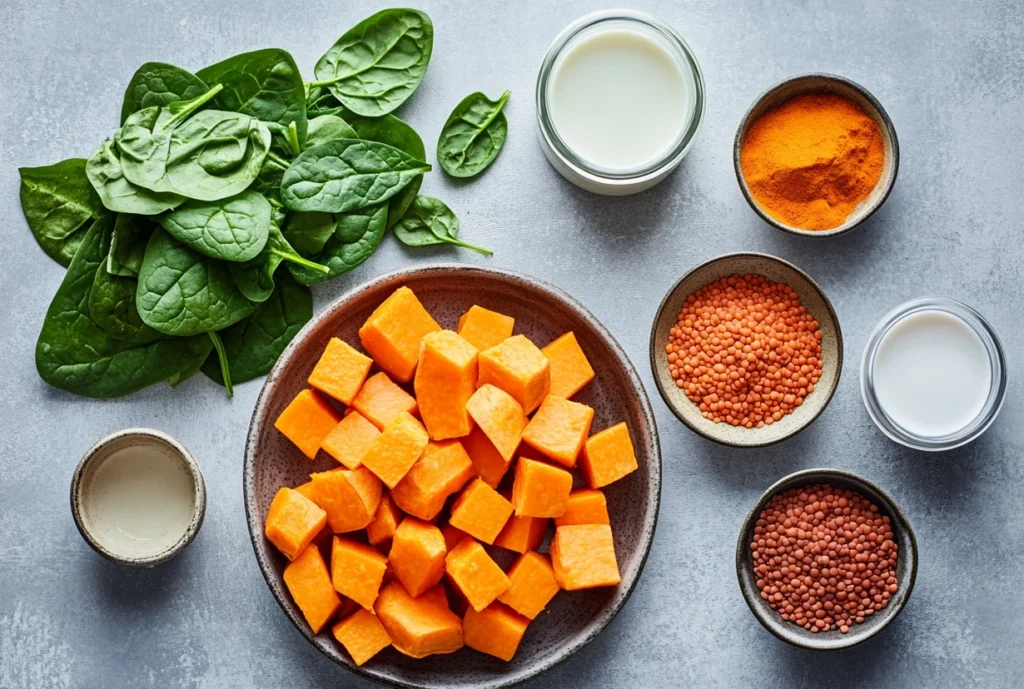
(951, 75)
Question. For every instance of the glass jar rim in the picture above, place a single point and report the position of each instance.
(997, 362)
(680, 49)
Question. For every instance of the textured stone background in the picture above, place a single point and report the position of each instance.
(951, 76)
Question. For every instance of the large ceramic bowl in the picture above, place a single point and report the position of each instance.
(542, 313)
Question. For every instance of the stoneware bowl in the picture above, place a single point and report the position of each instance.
(811, 296)
(94, 457)
(906, 564)
(542, 313)
(825, 83)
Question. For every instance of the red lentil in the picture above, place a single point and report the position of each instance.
(824, 558)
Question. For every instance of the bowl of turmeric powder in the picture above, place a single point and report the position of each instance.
(816, 155)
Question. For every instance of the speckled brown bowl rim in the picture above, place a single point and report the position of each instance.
(654, 344)
(199, 483)
(741, 131)
(654, 486)
(858, 634)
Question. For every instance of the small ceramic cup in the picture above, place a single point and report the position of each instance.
(138, 497)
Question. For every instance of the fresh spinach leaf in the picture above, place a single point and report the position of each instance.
(158, 83)
(118, 194)
(327, 128)
(473, 135)
(308, 232)
(112, 308)
(182, 292)
(255, 278)
(221, 356)
(356, 236)
(394, 132)
(128, 244)
(429, 222)
(59, 205)
(379, 62)
(233, 229)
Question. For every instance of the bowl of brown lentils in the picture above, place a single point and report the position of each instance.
(826, 559)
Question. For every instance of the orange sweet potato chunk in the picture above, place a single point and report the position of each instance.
(310, 587)
(522, 534)
(306, 490)
(480, 511)
(350, 498)
(385, 522)
(417, 555)
(495, 630)
(532, 585)
(452, 536)
(583, 556)
(381, 401)
(357, 570)
(350, 439)
(306, 421)
(443, 470)
(397, 449)
(559, 429)
(499, 416)
(341, 371)
(293, 521)
(484, 329)
(392, 333)
(445, 380)
(419, 627)
(362, 635)
(585, 506)
(570, 370)
(488, 463)
(478, 577)
(539, 489)
(608, 456)
(519, 368)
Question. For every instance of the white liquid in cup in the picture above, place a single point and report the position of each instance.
(932, 374)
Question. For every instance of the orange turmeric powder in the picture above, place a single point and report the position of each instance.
(809, 162)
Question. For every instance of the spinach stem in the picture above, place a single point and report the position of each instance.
(278, 160)
(299, 260)
(222, 357)
(194, 105)
(293, 138)
(465, 245)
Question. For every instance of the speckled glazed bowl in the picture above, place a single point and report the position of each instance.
(542, 313)
(906, 564)
(811, 296)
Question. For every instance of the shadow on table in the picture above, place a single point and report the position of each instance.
(125, 588)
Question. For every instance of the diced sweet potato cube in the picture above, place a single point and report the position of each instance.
(397, 449)
(608, 456)
(452, 536)
(362, 635)
(306, 421)
(349, 497)
(419, 627)
(417, 555)
(310, 586)
(306, 490)
(293, 521)
(583, 556)
(442, 470)
(495, 630)
(341, 371)
(570, 370)
(522, 533)
(478, 577)
(350, 439)
(445, 380)
(484, 329)
(381, 400)
(480, 511)
(559, 429)
(488, 463)
(532, 585)
(540, 490)
(357, 570)
(585, 506)
(519, 368)
(393, 332)
(499, 416)
(385, 522)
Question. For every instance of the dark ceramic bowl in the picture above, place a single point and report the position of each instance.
(825, 83)
(542, 313)
(906, 564)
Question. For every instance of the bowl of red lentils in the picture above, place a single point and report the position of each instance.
(746, 350)
(826, 559)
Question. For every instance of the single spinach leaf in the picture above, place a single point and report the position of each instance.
(75, 354)
(112, 308)
(308, 232)
(356, 236)
(255, 278)
(60, 205)
(118, 194)
(379, 62)
(158, 83)
(327, 128)
(394, 132)
(233, 229)
(254, 345)
(128, 244)
(347, 174)
(473, 135)
(429, 222)
(182, 292)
